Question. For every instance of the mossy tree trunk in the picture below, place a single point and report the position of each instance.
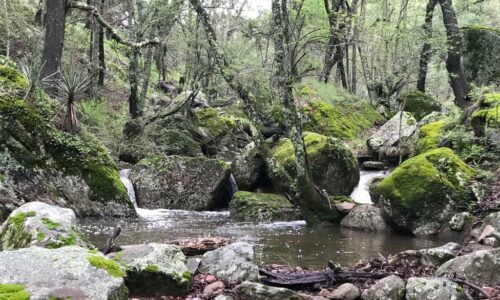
(425, 55)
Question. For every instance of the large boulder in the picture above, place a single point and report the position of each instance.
(43, 225)
(65, 273)
(154, 268)
(424, 192)
(430, 288)
(478, 267)
(333, 166)
(388, 288)
(248, 168)
(235, 262)
(256, 291)
(365, 217)
(431, 257)
(175, 182)
(262, 207)
(429, 136)
(40, 162)
(419, 104)
(385, 142)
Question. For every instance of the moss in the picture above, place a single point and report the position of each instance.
(51, 225)
(40, 236)
(18, 219)
(152, 268)
(429, 136)
(110, 266)
(13, 292)
(104, 183)
(427, 179)
(340, 120)
(216, 125)
(12, 81)
(419, 104)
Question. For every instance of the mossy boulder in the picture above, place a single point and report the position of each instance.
(249, 168)
(333, 166)
(42, 225)
(12, 83)
(418, 103)
(424, 192)
(341, 120)
(429, 136)
(176, 182)
(65, 273)
(154, 268)
(488, 115)
(40, 162)
(262, 207)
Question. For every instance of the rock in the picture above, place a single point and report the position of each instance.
(384, 141)
(42, 163)
(335, 168)
(419, 104)
(210, 279)
(493, 219)
(489, 232)
(43, 225)
(346, 291)
(428, 136)
(373, 165)
(365, 217)
(345, 207)
(325, 293)
(426, 257)
(248, 168)
(70, 272)
(261, 207)
(388, 288)
(235, 262)
(175, 182)
(430, 288)
(256, 291)
(458, 221)
(224, 297)
(424, 192)
(214, 288)
(479, 267)
(154, 268)
(192, 264)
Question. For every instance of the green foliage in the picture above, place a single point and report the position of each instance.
(490, 111)
(51, 225)
(419, 104)
(110, 266)
(481, 57)
(12, 83)
(429, 136)
(13, 292)
(471, 149)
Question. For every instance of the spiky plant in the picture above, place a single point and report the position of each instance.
(31, 71)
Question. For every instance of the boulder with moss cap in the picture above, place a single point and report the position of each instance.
(262, 207)
(154, 268)
(65, 273)
(424, 192)
(418, 103)
(43, 225)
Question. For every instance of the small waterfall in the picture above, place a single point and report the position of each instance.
(124, 177)
(361, 193)
(233, 186)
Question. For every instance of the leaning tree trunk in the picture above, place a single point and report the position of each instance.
(454, 59)
(425, 55)
(55, 23)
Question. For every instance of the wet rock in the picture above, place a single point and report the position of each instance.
(424, 192)
(384, 141)
(346, 291)
(235, 262)
(256, 291)
(373, 165)
(214, 288)
(479, 267)
(345, 207)
(430, 288)
(426, 257)
(154, 268)
(388, 288)
(70, 272)
(365, 217)
(262, 207)
(458, 221)
(43, 225)
(175, 182)
(248, 167)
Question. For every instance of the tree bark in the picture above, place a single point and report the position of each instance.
(55, 24)
(95, 27)
(425, 55)
(102, 60)
(454, 59)
(333, 40)
(135, 105)
(148, 61)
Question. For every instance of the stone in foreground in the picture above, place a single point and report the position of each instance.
(365, 217)
(154, 268)
(43, 225)
(481, 267)
(346, 291)
(65, 273)
(432, 288)
(433, 257)
(256, 291)
(235, 262)
(388, 288)
(262, 207)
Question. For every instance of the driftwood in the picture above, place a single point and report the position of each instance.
(311, 279)
(202, 245)
(108, 247)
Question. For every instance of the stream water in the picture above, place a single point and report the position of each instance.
(281, 242)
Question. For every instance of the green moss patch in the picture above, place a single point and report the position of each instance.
(152, 268)
(51, 225)
(216, 125)
(13, 292)
(429, 137)
(262, 207)
(110, 266)
(419, 104)
(490, 110)
(19, 219)
(12, 81)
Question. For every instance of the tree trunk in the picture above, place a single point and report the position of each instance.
(55, 23)
(333, 40)
(454, 59)
(102, 60)
(148, 61)
(96, 28)
(426, 49)
(135, 106)
(6, 24)
(71, 122)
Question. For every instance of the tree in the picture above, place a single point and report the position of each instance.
(426, 49)
(55, 24)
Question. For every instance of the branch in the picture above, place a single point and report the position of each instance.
(114, 35)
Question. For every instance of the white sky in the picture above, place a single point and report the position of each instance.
(255, 6)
